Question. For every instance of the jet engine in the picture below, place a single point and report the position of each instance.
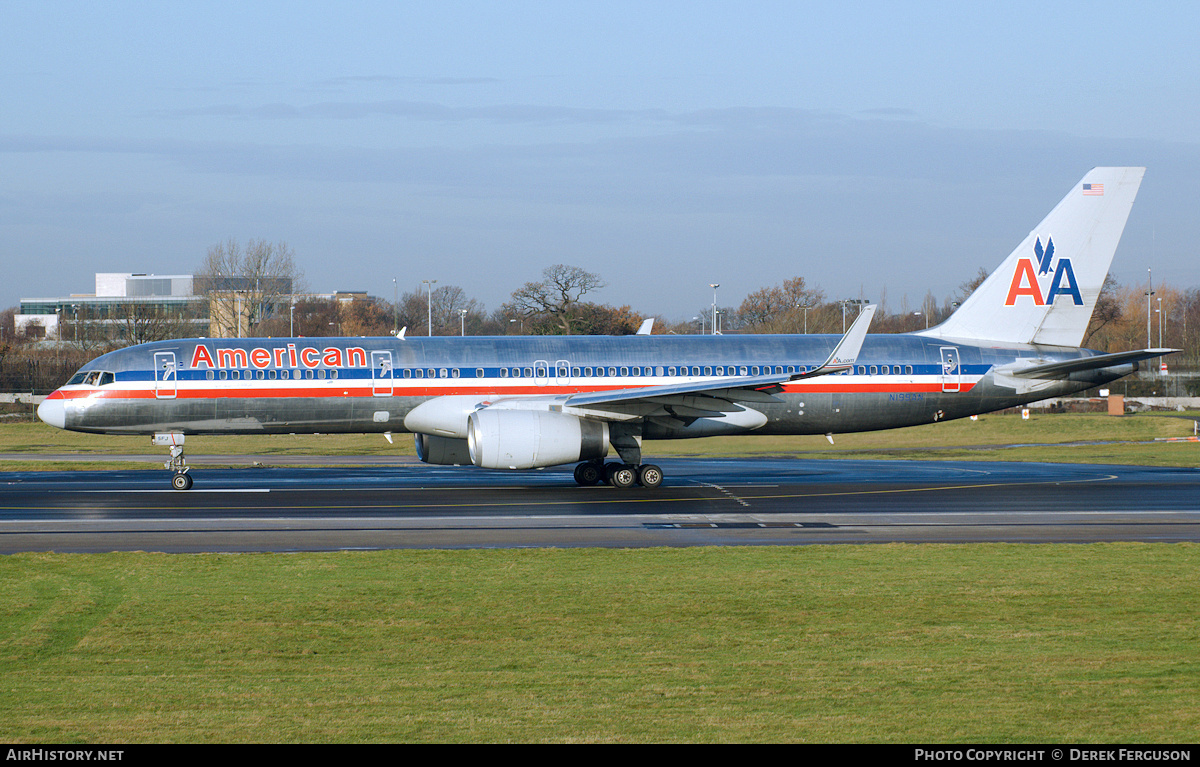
(442, 451)
(528, 439)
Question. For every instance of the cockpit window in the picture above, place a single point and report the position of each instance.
(106, 378)
(77, 378)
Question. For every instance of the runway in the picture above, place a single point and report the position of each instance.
(703, 502)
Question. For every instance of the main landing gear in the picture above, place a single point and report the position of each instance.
(619, 475)
(180, 480)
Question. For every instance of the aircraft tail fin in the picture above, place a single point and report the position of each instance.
(1046, 290)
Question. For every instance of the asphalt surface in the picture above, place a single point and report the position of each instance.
(702, 502)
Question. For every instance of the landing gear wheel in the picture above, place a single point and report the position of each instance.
(649, 475)
(181, 481)
(588, 473)
(622, 477)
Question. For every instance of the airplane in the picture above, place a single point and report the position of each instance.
(528, 402)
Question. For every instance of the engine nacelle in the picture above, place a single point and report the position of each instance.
(442, 451)
(443, 416)
(529, 439)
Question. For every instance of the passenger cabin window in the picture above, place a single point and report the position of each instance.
(908, 370)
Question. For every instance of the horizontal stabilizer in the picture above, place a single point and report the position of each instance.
(1062, 369)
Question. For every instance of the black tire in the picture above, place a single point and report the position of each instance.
(181, 481)
(623, 477)
(649, 475)
(587, 473)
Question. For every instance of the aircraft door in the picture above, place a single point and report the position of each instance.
(541, 372)
(951, 369)
(165, 375)
(381, 374)
(562, 373)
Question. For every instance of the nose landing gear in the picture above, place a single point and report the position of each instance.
(181, 479)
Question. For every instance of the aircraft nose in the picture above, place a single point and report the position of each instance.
(53, 411)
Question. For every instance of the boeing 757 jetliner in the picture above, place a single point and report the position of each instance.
(533, 401)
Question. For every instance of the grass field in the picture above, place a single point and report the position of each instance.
(892, 643)
(895, 643)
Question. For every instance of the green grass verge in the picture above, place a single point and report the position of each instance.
(892, 643)
(1067, 437)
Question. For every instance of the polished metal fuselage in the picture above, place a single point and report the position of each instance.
(368, 385)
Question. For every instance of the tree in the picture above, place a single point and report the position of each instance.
(778, 309)
(139, 323)
(246, 286)
(968, 287)
(365, 317)
(444, 306)
(555, 298)
(1108, 309)
(317, 317)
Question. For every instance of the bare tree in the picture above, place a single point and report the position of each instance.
(779, 309)
(555, 297)
(968, 287)
(1108, 309)
(139, 323)
(246, 285)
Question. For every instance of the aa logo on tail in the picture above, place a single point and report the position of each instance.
(1025, 278)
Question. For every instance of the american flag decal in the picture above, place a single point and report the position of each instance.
(1095, 190)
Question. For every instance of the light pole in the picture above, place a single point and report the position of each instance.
(805, 307)
(429, 303)
(462, 322)
(1149, 292)
(395, 307)
(714, 286)
(1160, 322)
(852, 301)
(292, 318)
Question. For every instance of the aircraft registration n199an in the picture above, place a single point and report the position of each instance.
(533, 401)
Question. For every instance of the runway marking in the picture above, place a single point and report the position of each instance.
(572, 502)
(179, 492)
(728, 494)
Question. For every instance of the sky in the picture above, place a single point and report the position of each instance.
(879, 150)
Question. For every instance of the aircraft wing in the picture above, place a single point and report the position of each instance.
(710, 398)
(1061, 369)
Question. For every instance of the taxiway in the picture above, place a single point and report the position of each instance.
(704, 502)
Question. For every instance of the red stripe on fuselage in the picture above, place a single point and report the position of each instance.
(319, 392)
